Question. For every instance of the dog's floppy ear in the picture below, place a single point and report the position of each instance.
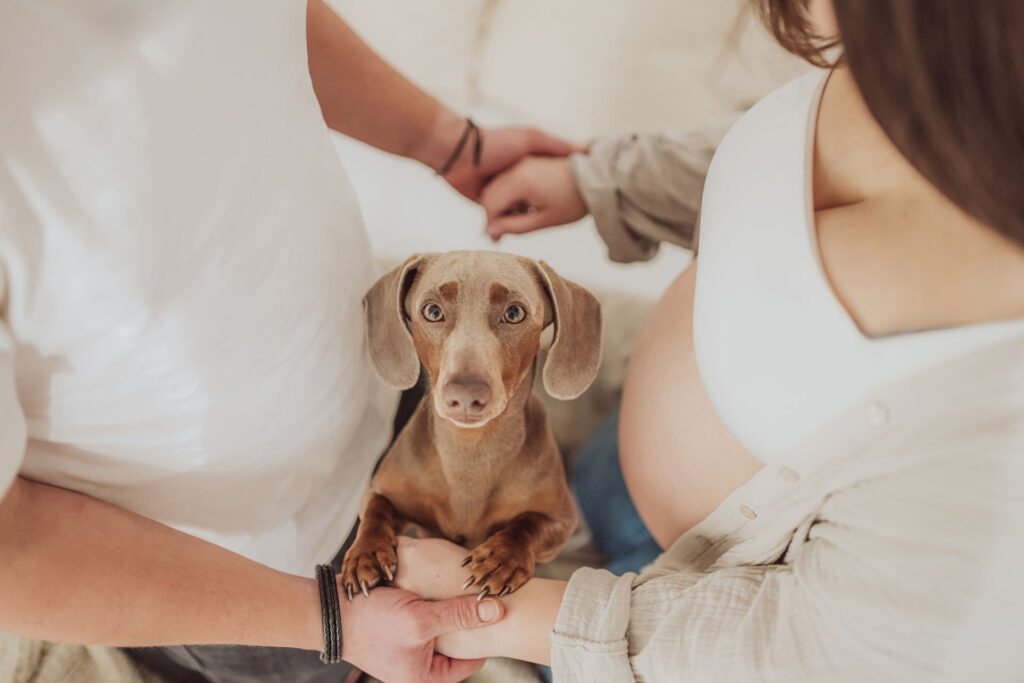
(388, 339)
(575, 353)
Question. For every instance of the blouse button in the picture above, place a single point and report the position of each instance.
(788, 474)
(877, 413)
(747, 512)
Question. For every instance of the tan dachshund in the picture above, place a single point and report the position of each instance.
(477, 462)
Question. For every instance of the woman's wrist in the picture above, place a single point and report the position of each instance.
(431, 568)
(532, 621)
(524, 633)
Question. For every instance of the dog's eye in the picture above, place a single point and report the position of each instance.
(514, 314)
(433, 313)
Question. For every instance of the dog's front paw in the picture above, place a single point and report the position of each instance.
(366, 565)
(497, 568)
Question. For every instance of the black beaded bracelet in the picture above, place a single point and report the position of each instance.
(330, 608)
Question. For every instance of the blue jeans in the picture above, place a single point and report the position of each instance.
(615, 525)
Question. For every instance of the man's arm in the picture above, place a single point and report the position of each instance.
(78, 570)
(75, 569)
(363, 97)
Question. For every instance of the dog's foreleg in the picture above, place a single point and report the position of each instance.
(506, 560)
(373, 556)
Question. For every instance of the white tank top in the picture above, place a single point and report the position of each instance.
(778, 353)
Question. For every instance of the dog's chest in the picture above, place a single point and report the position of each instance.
(463, 507)
(469, 514)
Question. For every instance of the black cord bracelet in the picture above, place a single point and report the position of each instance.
(470, 129)
(330, 608)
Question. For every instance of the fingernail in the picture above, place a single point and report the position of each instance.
(487, 610)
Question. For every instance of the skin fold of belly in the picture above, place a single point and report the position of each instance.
(678, 459)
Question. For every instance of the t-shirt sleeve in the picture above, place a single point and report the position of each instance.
(12, 420)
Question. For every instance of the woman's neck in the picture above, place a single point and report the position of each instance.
(900, 256)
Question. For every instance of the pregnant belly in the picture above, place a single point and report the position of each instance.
(679, 460)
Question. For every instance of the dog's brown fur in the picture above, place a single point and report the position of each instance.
(492, 480)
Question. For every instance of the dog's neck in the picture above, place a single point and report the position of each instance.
(466, 451)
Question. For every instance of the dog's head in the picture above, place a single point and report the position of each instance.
(475, 319)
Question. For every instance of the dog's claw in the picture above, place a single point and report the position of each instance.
(469, 582)
(366, 591)
(469, 558)
(390, 574)
(484, 592)
(348, 591)
(505, 591)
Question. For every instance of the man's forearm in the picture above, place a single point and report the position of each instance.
(75, 569)
(365, 98)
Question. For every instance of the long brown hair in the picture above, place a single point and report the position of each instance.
(945, 81)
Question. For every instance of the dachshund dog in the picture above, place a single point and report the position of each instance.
(477, 462)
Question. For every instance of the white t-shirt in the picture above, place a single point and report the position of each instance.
(182, 262)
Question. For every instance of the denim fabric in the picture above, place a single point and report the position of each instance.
(596, 478)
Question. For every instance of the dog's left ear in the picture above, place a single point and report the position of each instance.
(575, 353)
(388, 340)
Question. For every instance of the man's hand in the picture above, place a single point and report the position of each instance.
(391, 634)
(502, 147)
(536, 193)
(433, 567)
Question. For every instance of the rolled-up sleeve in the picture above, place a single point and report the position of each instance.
(725, 625)
(891, 581)
(589, 639)
(645, 188)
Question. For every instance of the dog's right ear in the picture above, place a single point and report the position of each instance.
(388, 339)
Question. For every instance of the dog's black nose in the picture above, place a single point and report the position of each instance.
(468, 397)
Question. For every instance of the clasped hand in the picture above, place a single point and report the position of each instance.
(392, 634)
(523, 181)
